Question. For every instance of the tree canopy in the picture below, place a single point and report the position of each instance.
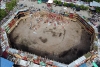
(9, 6)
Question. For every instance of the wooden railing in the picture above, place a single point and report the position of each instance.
(87, 27)
(14, 22)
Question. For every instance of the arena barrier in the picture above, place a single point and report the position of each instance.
(9, 26)
(87, 27)
(14, 22)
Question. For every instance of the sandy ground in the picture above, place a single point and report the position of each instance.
(62, 44)
(46, 36)
(62, 41)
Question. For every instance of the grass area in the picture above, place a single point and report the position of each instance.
(9, 6)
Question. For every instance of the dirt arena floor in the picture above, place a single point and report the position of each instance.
(62, 41)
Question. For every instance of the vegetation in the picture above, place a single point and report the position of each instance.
(60, 3)
(82, 7)
(71, 5)
(55, 1)
(3, 13)
(9, 7)
(97, 9)
(66, 4)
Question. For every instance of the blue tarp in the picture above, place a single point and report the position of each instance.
(5, 63)
(83, 65)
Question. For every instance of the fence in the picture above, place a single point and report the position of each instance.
(14, 22)
(87, 27)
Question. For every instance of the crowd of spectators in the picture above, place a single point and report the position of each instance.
(98, 31)
(95, 18)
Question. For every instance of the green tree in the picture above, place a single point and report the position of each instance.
(2, 14)
(97, 0)
(55, 1)
(72, 5)
(9, 7)
(82, 7)
(86, 8)
(59, 3)
(97, 9)
(65, 4)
